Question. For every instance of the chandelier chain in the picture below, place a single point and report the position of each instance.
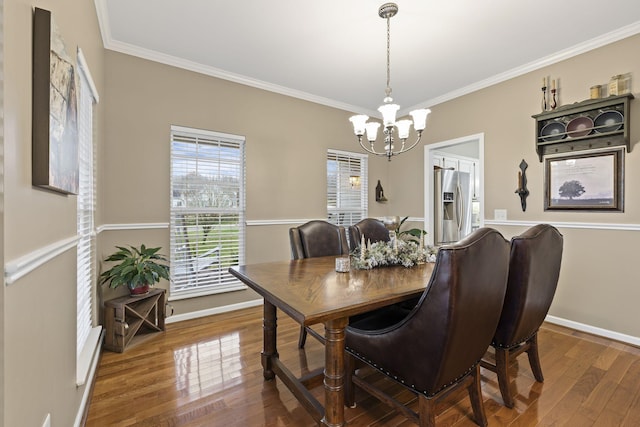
(388, 89)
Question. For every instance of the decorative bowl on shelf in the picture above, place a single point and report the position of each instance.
(553, 131)
(608, 121)
(580, 126)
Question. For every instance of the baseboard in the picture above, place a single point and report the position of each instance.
(635, 341)
(628, 339)
(212, 311)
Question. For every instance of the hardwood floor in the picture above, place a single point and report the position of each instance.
(207, 372)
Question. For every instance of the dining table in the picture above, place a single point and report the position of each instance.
(312, 292)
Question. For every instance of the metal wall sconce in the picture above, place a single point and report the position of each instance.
(380, 193)
(522, 185)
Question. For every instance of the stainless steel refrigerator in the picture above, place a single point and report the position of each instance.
(452, 205)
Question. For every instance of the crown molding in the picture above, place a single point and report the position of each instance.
(586, 46)
(151, 55)
(129, 49)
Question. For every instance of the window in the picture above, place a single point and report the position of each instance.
(207, 228)
(346, 187)
(86, 335)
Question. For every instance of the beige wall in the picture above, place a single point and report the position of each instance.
(40, 308)
(286, 144)
(598, 285)
(287, 139)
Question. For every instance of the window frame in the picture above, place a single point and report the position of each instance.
(355, 165)
(213, 258)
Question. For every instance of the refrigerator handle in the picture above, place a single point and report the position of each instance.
(460, 206)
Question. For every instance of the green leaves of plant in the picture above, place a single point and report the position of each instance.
(137, 267)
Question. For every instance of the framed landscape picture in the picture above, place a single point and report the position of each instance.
(54, 161)
(589, 181)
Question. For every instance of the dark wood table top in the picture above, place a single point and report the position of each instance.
(311, 291)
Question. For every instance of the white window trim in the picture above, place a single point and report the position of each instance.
(228, 286)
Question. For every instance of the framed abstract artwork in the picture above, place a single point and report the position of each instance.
(589, 181)
(54, 158)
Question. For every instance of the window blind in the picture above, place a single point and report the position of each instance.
(85, 211)
(207, 224)
(347, 187)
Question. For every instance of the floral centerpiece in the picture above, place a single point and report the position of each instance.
(381, 254)
(405, 248)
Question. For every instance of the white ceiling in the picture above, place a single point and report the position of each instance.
(334, 51)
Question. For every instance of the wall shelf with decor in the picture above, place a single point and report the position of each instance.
(586, 125)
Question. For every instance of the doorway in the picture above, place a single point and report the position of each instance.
(471, 146)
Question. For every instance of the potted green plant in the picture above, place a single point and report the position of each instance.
(138, 269)
(412, 234)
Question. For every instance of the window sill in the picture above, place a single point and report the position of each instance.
(88, 357)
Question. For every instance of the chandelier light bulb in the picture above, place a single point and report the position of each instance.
(420, 118)
(403, 128)
(388, 114)
(372, 131)
(359, 123)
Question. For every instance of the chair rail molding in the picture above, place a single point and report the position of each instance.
(15, 269)
(249, 223)
(132, 226)
(583, 225)
(260, 222)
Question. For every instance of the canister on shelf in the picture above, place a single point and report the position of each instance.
(595, 92)
(626, 83)
(615, 85)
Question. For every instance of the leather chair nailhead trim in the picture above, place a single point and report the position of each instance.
(509, 347)
(402, 381)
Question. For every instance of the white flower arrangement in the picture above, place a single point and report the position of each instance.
(394, 252)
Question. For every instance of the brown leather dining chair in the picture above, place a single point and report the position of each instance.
(534, 268)
(315, 239)
(372, 229)
(436, 348)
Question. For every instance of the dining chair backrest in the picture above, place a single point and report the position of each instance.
(317, 238)
(373, 230)
(438, 346)
(451, 327)
(534, 268)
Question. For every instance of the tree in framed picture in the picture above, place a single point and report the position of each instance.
(591, 180)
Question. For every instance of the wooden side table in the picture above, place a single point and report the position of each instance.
(127, 317)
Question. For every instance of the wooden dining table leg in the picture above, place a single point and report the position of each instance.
(269, 329)
(334, 375)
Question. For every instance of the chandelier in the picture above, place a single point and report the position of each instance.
(388, 110)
